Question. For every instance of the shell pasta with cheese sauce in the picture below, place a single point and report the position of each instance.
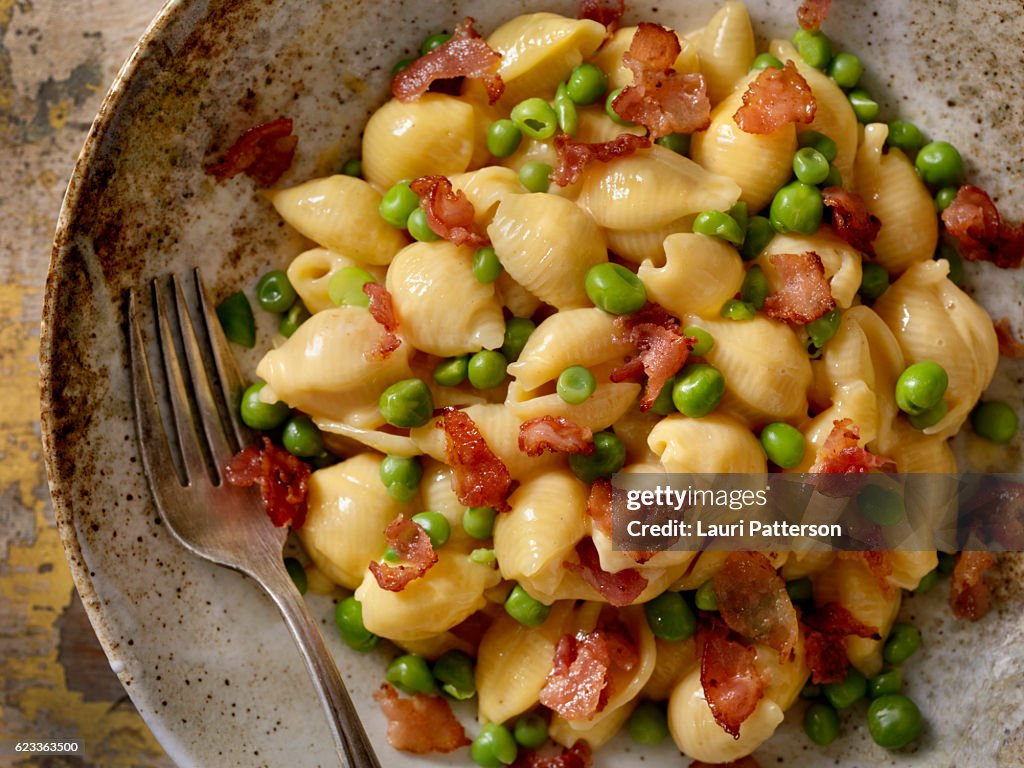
(577, 247)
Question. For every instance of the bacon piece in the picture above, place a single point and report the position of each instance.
(774, 98)
(578, 676)
(262, 153)
(479, 477)
(660, 99)
(805, 294)
(575, 156)
(969, 595)
(834, 619)
(599, 505)
(556, 434)
(578, 755)
(825, 632)
(412, 544)
(282, 477)
(851, 219)
(743, 762)
(607, 12)
(382, 309)
(811, 14)
(620, 588)
(449, 213)
(1009, 345)
(728, 675)
(842, 454)
(466, 54)
(753, 601)
(420, 724)
(661, 350)
(973, 219)
(878, 562)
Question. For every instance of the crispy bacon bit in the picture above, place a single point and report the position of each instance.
(728, 675)
(574, 156)
(412, 544)
(834, 619)
(842, 454)
(599, 505)
(556, 434)
(661, 350)
(1009, 345)
(420, 724)
(661, 99)
(811, 14)
(282, 477)
(973, 219)
(851, 219)
(620, 588)
(969, 595)
(576, 756)
(466, 54)
(774, 98)
(743, 762)
(825, 633)
(578, 676)
(382, 309)
(753, 601)
(479, 477)
(449, 213)
(805, 294)
(263, 153)
(607, 12)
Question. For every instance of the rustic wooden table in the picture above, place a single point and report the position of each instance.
(57, 60)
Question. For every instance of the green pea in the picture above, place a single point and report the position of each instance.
(235, 316)
(894, 721)
(454, 671)
(698, 390)
(874, 280)
(296, 315)
(846, 70)
(609, 108)
(848, 692)
(755, 288)
(478, 522)
(401, 476)
(783, 444)
(670, 617)
(905, 135)
(390, 556)
(663, 404)
(575, 384)
(517, 333)
(503, 138)
(493, 747)
(741, 216)
(258, 414)
(720, 225)
(995, 421)
(535, 176)
(705, 598)
(302, 438)
(397, 203)
(810, 166)
(648, 724)
(452, 372)
(608, 457)
(921, 386)
(820, 142)
(536, 118)
(814, 48)
(797, 207)
(587, 84)
(565, 110)
(297, 574)
(734, 309)
(407, 403)
(677, 142)
(881, 505)
(705, 341)
(352, 167)
(885, 683)
(410, 673)
(927, 582)
(521, 606)
(765, 60)
(800, 590)
(486, 266)
(345, 287)
(955, 261)
(834, 178)
(947, 562)
(615, 289)
(274, 292)
(903, 642)
(436, 526)
(864, 106)
(821, 331)
(929, 418)
(530, 730)
(759, 233)
(419, 226)
(944, 197)
(939, 164)
(348, 616)
(402, 64)
(483, 556)
(821, 724)
(487, 369)
(433, 42)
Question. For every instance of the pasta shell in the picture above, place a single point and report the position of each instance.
(699, 275)
(726, 49)
(841, 261)
(311, 271)
(712, 444)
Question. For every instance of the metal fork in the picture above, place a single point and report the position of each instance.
(215, 520)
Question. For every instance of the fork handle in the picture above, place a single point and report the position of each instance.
(350, 739)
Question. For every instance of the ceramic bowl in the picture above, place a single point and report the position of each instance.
(200, 650)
